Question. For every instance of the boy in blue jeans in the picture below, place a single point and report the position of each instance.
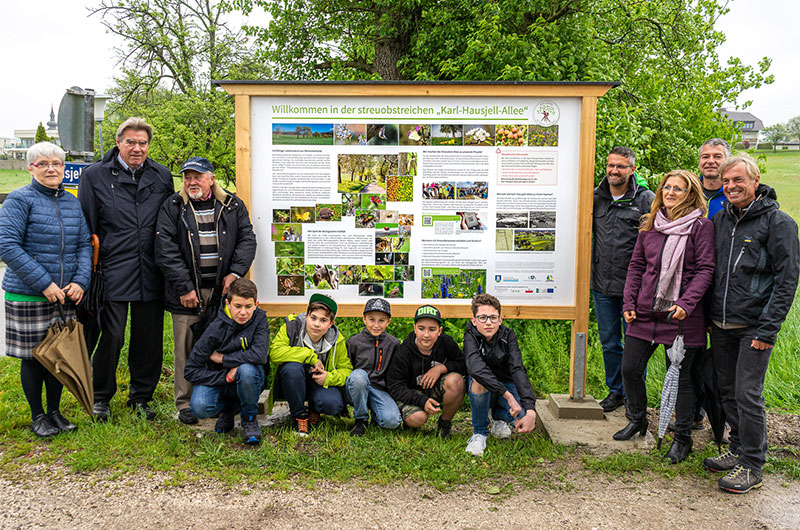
(312, 363)
(226, 366)
(370, 353)
(497, 377)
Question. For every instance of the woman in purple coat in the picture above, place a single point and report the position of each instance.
(671, 268)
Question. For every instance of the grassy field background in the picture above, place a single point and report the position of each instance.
(128, 444)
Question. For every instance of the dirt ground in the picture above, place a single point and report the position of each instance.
(572, 497)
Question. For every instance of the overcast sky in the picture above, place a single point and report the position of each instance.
(50, 45)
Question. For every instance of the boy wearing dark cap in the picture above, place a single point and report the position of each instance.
(312, 363)
(371, 352)
(426, 374)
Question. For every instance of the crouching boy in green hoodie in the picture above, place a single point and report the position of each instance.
(426, 374)
(312, 363)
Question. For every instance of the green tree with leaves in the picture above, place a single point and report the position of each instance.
(171, 52)
(793, 128)
(41, 134)
(775, 133)
(663, 54)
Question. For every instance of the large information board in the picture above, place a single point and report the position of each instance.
(420, 193)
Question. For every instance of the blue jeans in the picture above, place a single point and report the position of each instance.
(611, 328)
(243, 393)
(481, 403)
(364, 398)
(298, 386)
(740, 377)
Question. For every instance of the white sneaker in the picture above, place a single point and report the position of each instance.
(476, 445)
(500, 429)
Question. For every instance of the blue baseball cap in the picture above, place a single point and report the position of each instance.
(199, 164)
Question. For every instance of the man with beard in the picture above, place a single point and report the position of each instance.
(619, 203)
(204, 241)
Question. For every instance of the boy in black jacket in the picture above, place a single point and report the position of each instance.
(426, 375)
(226, 366)
(497, 377)
(371, 352)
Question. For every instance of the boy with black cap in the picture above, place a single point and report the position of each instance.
(312, 363)
(371, 353)
(426, 374)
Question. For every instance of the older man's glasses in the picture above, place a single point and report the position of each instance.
(676, 189)
(45, 165)
(132, 143)
(487, 318)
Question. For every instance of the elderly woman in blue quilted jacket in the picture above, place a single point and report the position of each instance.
(44, 241)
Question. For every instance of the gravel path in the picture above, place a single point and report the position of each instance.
(43, 498)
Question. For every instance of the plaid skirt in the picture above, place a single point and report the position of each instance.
(27, 324)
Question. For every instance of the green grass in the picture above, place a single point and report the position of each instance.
(128, 444)
(291, 140)
(11, 179)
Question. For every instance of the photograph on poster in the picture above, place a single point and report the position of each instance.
(539, 136)
(350, 133)
(281, 216)
(404, 273)
(321, 277)
(463, 283)
(534, 240)
(287, 232)
(415, 134)
(349, 203)
(366, 218)
(542, 220)
(513, 135)
(291, 286)
(382, 134)
(439, 190)
(370, 289)
(447, 135)
(400, 188)
(472, 190)
(408, 164)
(329, 212)
(302, 134)
(349, 274)
(511, 220)
(283, 249)
(504, 240)
(303, 214)
(479, 135)
(393, 289)
(290, 266)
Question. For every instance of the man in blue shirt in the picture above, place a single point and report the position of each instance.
(713, 153)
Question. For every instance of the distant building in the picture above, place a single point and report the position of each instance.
(27, 137)
(748, 125)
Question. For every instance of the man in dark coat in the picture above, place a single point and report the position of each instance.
(204, 241)
(120, 196)
(619, 203)
(758, 260)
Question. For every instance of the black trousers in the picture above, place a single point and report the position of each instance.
(634, 362)
(145, 350)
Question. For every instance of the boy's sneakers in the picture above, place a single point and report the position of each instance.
(476, 445)
(251, 432)
(740, 480)
(313, 418)
(301, 426)
(722, 462)
(443, 429)
(359, 428)
(500, 429)
(187, 417)
(224, 423)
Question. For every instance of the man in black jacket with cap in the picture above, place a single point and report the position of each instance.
(120, 196)
(204, 241)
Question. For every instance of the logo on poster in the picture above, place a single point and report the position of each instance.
(546, 113)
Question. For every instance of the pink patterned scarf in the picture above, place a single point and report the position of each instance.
(669, 279)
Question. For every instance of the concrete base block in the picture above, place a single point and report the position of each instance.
(594, 435)
(561, 406)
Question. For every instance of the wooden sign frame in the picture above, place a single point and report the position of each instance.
(577, 313)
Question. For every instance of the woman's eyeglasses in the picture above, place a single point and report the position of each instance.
(673, 188)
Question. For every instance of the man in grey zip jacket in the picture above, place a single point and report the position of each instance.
(204, 241)
(758, 260)
(619, 203)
